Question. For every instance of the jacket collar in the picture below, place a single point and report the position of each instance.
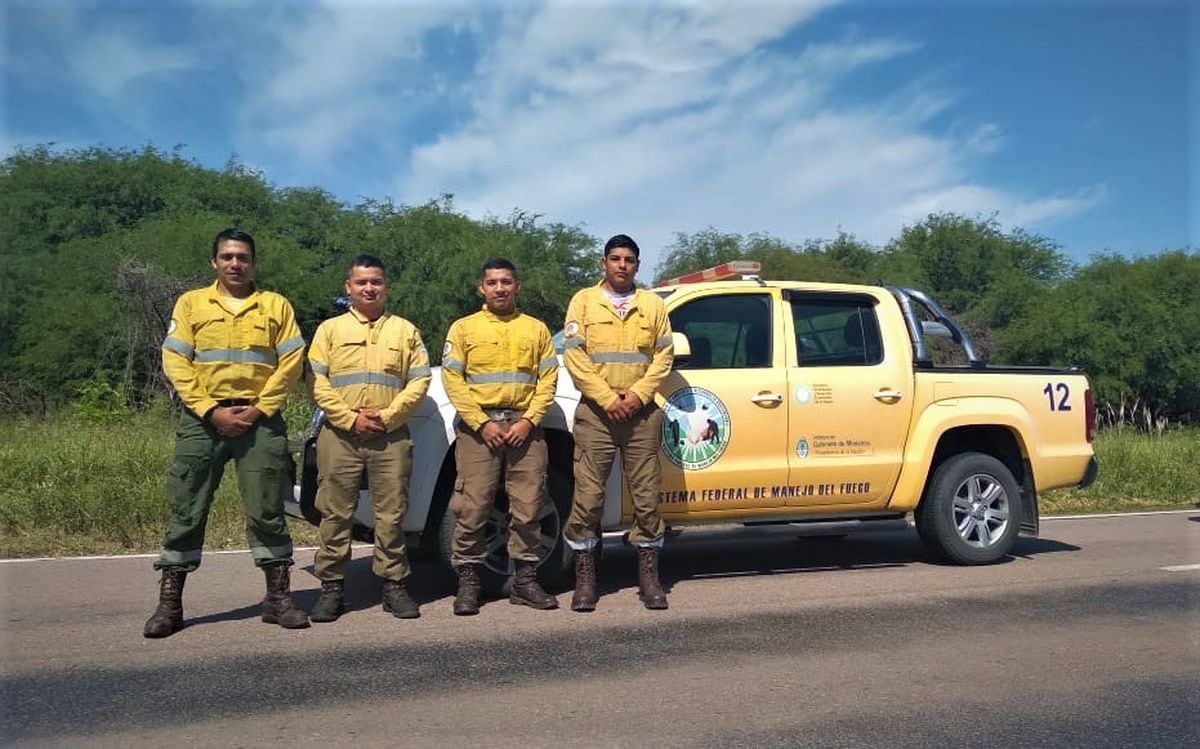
(247, 302)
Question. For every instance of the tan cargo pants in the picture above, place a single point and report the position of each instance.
(597, 439)
(341, 457)
(479, 471)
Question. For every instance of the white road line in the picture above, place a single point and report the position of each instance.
(150, 556)
(607, 535)
(1121, 514)
(1181, 567)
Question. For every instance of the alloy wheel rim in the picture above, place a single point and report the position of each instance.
(981, 510)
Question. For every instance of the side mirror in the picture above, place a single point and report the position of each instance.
(683, 349)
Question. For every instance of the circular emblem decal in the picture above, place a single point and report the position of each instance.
(571, 330)
(696, 428)
(447, 348)
(802, 448)
(803, 395)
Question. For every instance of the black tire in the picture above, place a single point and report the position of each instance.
(971, 510)
(557, 562)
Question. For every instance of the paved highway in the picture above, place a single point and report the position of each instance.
(1088, 636)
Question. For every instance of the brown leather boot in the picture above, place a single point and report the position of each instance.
(278, 606)
(168, 617)
(527, 592)
(466, 602)
(585, 595)
(650, 590)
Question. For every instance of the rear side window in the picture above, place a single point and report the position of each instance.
(836, 332)
(726, 332)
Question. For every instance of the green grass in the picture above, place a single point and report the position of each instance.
(72, 486)
(69, 485)
(1137, 472)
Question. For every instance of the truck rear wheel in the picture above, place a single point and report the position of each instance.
(557, 560)
(969, 514)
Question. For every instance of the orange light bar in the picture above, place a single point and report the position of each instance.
(716, 273)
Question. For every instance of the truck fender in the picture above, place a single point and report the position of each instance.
(936, 421)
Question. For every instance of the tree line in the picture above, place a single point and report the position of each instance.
(97, 243)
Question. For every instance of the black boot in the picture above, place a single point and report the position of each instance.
(650, 590)
(397, 602)
(466, 603)
(585, 581)
(278, 606)
(331, 604)
(527, 592)
(168, 617)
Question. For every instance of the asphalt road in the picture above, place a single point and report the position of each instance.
(1088, 636)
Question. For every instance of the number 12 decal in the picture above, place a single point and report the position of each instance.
(1064, 393)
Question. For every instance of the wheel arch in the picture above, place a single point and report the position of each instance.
(1002, 442)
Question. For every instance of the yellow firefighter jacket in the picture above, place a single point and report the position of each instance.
(359, 363)
(493, 362)
(606, 354)
(212, 353)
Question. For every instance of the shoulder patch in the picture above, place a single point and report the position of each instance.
(171, 326)
(571, 330)
(447, 347)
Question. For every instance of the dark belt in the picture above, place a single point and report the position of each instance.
(231, 402)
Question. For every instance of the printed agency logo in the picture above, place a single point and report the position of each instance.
(696, 428)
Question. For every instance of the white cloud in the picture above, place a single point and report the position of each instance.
(342, 71)
(108, 62)
(103, 53)
(987, 138)
(687, 116)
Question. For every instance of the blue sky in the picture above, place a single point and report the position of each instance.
(1076, 120)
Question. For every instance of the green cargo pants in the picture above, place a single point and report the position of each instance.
(263, 473)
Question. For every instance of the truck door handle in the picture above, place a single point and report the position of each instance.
(766, 400)
(887, 395)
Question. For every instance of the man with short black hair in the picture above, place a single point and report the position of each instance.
(232, 352)
(499, 370)
(370, 370)
(617, 347)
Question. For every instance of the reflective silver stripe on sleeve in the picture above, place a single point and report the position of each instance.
(290, 345)
(617, 357)
(180, 347)
(488, 378)
(237, 355)
(454, 365)
(365, 378)
(415, 372)
(663, 341)
(572, 343)
(318, 367)
(547, 363)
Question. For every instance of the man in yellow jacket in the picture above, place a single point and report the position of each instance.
(499, 370)
(232, 353)
(370, 370)
(617, 348)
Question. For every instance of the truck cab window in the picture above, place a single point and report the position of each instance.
(836, 332)
(727, 331)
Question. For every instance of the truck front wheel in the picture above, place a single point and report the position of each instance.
(969, 512)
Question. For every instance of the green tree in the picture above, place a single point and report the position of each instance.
(1131, 324)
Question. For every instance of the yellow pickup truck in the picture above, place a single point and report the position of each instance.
(796, 402)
